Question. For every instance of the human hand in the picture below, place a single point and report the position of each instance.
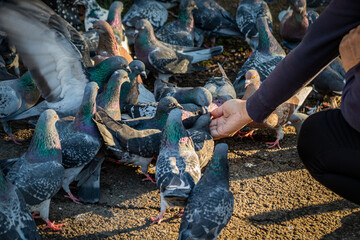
(350, 48)
(229, 118)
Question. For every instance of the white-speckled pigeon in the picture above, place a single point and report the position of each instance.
(79, 137)
(167, 59)
(38, 173)
(93, 12)
(211, 203)
(16, 96)
(247, 14)
(16, 221)
(177, 167)
(264, 59)
(182, 30)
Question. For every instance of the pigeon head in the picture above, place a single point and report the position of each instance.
(174, 132)
(165, 106)
(203, 122)
(138, 68)
(144, 32)
(201, 96)
(102, 27)
(45, 144)
(218, 167)
(252, 83)
(298, 5)
(87, 109)
(115, 11)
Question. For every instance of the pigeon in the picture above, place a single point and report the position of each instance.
(16, 220)
(16, 96)
(114, 19)
(93, 12)
(9, 54)
(264, 59)
(80, 138)
(127, 144)
(151, 10)
(67, 10)
(329, 82)
(38, 173)
(296, 120)
(247, 14)
(211, 203)
(166, 59)
(203, 141)
(61, 80)
(4, 74)
(177, 167)
(282, 114)
(197, 95)
(317, 3)
(220, 88)
(181, 31)
(108, 45)
(165, 105)
(109, 98)
(214, 20)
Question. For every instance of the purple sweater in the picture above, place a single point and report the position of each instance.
(318, 48)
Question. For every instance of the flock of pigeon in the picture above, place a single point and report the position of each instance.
(88, 92)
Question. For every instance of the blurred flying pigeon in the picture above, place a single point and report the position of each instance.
(181, 31)
(177, 167)
(109, 98)
(93, 12)
(151, 10)
(166, 59)
(16, 96)
(80, 138)
(165, 105)
(282, 114)
(220, 88)
(61, 80)
(38, 173)
(127, 144)
(16, 220)
(214, 20)
(67, 10)
(264, 59)
(211, 203)
(203, 141)
(197, 95)
(247, 14)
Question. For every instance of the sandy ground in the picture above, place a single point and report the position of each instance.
(275, 197)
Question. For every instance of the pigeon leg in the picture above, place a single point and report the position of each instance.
(34, 215)
(8, 131)
(273, 144)
(159, 218)
(73, 198)
(52, 226)
(249, 134)
(69, 176)
(148, 178)
(14, 139)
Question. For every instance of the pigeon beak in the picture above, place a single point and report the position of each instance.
(179, 106)
(128, 69)
(143, 74)
(196, 7)
(247, 83)
(136, 32)
(301, 9)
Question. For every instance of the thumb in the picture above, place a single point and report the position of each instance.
(218, 112)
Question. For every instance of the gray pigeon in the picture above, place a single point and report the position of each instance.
(264, 59)
(247, 14)
(177, 167)
(127, 144)
(16, 96)
(182, 30)
(167, 59)
(38, 173)
(220, 88)
(61, 80)
(214, 20)
(211, 203)
(80, 138)
(151, 10)
(16, 221)
(196, 95)
(93, 12)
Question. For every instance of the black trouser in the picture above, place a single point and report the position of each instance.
(330, 150)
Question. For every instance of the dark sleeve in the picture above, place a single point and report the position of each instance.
(350, 100)
(318, 48)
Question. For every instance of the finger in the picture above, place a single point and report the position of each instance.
(218, 112)
(214, 122)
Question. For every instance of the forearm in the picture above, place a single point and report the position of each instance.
(318, 48)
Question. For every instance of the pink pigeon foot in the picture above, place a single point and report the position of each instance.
(148, 178)
(249, 134)
(181, 213)
(73, 198)
(34, 215)
(14, 139)
(158, 219)
(52, 226)
(273, 144)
